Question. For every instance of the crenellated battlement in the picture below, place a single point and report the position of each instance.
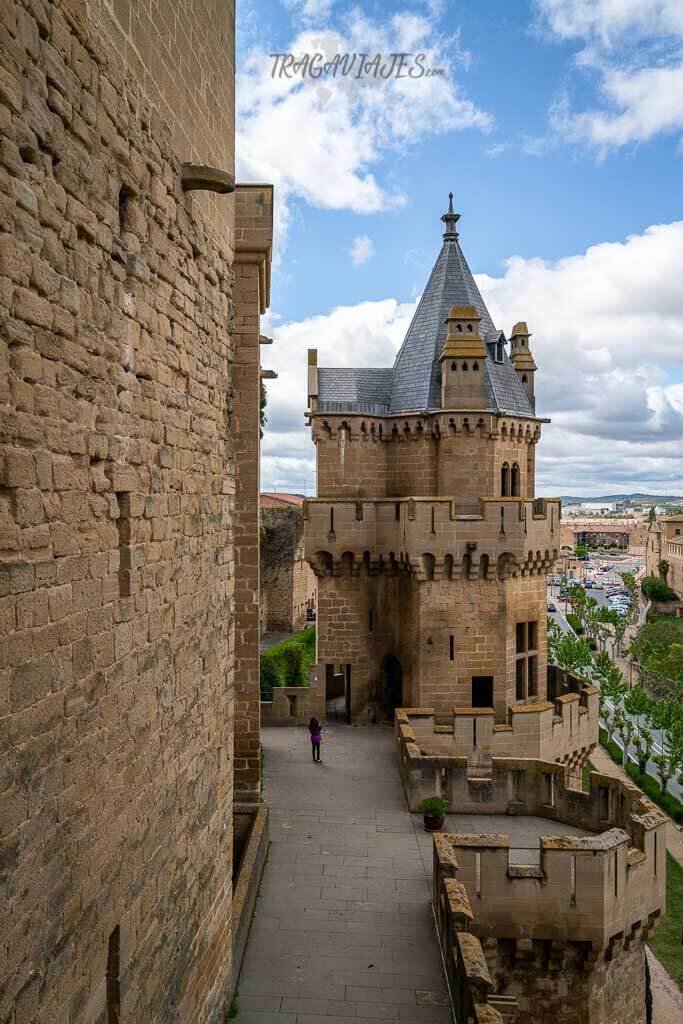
(428, 538)
(577, 916)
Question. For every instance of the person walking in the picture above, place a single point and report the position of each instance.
(315, 730)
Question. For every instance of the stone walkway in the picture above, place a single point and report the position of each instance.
(343, 929)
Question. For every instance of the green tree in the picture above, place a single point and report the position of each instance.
(652, 515)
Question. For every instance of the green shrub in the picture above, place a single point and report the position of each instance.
(649, 786)
(288, 663)
(434, 805)
(575, 622)
(655, 589)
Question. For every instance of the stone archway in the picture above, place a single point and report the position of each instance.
(392, 685)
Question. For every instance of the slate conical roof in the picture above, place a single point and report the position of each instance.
(451, 283)
(414, 382)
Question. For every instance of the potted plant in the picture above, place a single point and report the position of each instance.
(433, 811)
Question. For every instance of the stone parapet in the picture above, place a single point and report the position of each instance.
(579, 918)
(563, 731)
(596, 888)
(429, 538)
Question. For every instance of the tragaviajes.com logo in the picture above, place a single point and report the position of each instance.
(356, 66)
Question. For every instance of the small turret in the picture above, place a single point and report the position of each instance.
(463, 381)
(522, 360)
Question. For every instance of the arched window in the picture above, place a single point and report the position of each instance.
(469, 328)
(454, 366)
(505, 480)
(475, 366)
(458, 328)
(524, 378)
(464, 366)
(515, 480)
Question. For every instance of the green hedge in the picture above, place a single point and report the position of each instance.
(288, 663)
(649, 786)
(575, 622)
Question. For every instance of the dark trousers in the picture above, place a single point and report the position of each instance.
(316, 751)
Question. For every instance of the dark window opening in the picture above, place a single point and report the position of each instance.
(482, 691)
(515, 480)
(464, 366)
(519, 692)
(125, 547)
(113, 983)
(454, 366)
(452, 647)
(397, 511)
(526, 666)
(505, 480)
(469, 328)
(475, 366)
(124, 197)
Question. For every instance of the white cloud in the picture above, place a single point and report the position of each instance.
(636, 49)
(361, 250)
(323, 139)
(608, 20)
(311, 10)
(604, 324)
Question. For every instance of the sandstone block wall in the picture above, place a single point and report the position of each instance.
(254, 233)
(287, 581)
(117, 511)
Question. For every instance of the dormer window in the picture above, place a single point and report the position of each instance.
(458, 328)
(499, 352)
(469, 328)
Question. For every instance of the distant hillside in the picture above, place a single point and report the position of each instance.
(655, 499)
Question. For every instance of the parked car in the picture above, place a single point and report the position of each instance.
(552, 607)
(597, 585)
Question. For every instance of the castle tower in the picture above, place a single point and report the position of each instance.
(522, 360)
(430, 550)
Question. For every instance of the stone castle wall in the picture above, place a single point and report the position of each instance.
(117, 498)
(455, 455)
(287, 580)
(564, 939)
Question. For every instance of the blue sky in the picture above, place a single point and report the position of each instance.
(558, 126)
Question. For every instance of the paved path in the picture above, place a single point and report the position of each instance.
(343, 929)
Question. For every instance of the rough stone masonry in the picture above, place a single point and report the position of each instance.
(117, 509)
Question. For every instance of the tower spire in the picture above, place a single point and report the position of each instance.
(450, 219)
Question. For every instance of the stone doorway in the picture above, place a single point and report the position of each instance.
(392, 674)
(338, 693)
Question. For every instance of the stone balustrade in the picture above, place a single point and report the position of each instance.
(430, 539)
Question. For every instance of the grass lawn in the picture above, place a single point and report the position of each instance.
(666, 943)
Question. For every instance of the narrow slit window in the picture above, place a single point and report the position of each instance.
(572, 879)
(113, 981)
(451, 640)
(125, 546)
(477, 869)
(331, 520)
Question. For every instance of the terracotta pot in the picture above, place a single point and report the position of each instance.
(433, 822)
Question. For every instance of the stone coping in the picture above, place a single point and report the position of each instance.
(245, 888)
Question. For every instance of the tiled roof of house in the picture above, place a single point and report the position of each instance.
(280, 499)
(412, 384)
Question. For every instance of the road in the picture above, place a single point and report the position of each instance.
(559, 617)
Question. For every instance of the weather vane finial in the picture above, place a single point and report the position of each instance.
(450, 219)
